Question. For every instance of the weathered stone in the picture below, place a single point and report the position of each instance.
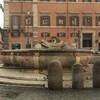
(39, 58)
(77, 76)
(55, 75)
(96, 75)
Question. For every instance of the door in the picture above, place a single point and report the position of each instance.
(87, 40)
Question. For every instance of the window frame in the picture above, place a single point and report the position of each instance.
(73, 0)
(74, 34)
(87, 0)
(15, 46)
(27, 19)
(85, 19)
(58, 17)
(98, 34)
(60, 0)
(15, 23)
(97, 20)
(61, 34)
(45, 34)
(97, 1)
(47, 18)
(28, 34)
(73, 18)
(14, 32)
(45, 0)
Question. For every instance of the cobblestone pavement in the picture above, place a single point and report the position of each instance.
(29, 93)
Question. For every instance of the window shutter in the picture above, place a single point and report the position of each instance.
(87, 21)
(15, 22)
(45, 34)
(29, 20)
(74, 20)
(61, 20)
(45, 20)
(97, 20)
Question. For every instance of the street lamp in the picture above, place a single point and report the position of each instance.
(77, 37)
(28, 45)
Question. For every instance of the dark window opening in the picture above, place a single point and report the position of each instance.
(45, 34)
(74, 21)
(44, 0)
(97, 0)
(60, 0)
(74, 34)
(61, 20)
(15, 33)
(87, 40)
(72, 0)
(29, 20)
(98, 21)
(87, 21)
(61, 34)
(45, 20)
(28, 34)
(98, 46)
(16, 46)
(15, 22)
(86, 0)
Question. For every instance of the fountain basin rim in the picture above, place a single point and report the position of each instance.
(49, 50)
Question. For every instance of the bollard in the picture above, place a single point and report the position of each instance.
(77, 76)
(55, 73)
(96, 75)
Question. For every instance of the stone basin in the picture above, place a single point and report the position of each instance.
(40, 58)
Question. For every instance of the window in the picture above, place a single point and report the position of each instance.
(61, 34)
(16, 45)
(21, 0)
(28, 34)
(74, 34)
(45, 20)
(6, 45)
(97, 0)
(15, 33)
(98, 21)
(60, 0)
(15, 0)
(29, 20)
(44, 0)
(87, 21)
(15, 22)
(61, 20)
(74, 21)
(87, 40)
(98, 34)
(72, 0)
(86, 0)
(45, 34)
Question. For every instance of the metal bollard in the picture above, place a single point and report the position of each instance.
(55, 73)
(96, 75)
(77, 76)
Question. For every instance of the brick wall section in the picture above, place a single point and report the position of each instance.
(52, 9)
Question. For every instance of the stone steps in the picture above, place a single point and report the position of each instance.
(23, 82)
(28, 74)
(22, 77)
(37, 78)
(29, 77)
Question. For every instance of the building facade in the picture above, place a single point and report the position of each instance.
(74, 21)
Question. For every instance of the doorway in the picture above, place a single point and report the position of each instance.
(87, 40)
